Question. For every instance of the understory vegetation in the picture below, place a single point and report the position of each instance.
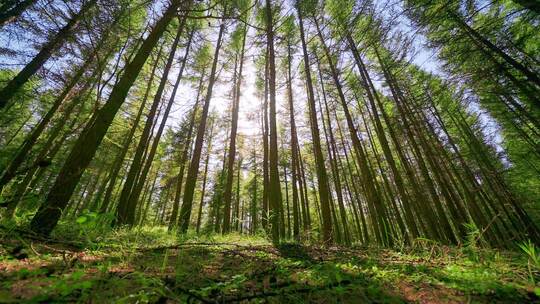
(149, 265)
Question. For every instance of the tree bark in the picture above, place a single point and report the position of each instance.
(322, 177)
(44, 54)
(193, 171)
(9, 14)
(375, 203)
(274, 190)
(82, 153)
(294, 147)
(134, 196)
(205, 175)
(185, 157)
(125, 214)
(232, 141)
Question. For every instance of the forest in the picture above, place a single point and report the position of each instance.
(269, 151)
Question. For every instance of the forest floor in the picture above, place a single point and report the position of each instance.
(152, 266)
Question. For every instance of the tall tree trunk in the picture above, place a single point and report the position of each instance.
(134, 196)
(294, 147)
(289, 227)
(236, 220)
(30, 140)
(378, 211)
(232, 138)
(423, 160)
(10, 10)
(373, 96)
(356, 191)
(205, 175)
(254, 207)
(82, 153)
(274, 191)
(332, 157)
(477, 37)
(264, 120)
(185, 156)
(144, 215)
(13, 86)
(117, 164)
(193, 171)
(124, 210)
(306, 216)
(47, 153)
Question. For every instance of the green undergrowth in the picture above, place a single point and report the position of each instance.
(149, 265)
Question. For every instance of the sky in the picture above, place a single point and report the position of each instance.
(221, 99)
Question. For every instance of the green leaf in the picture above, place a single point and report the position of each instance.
(338, 277)
(77, 274)
(81, 219)
(86, 284)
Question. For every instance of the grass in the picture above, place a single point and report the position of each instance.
(149, 265)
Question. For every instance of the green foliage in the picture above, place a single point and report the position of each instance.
(203, 57)
(150, 264)
(496, 84)
(341, 12)
(308, 8)
(89, 226)
(146, 264)
(472, 242)
(17, 116)
(532, 252)
(533, 258)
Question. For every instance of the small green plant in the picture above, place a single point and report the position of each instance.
(473, 235)
(533, 257)
(88, 227)
(472, 242)
(165, 260)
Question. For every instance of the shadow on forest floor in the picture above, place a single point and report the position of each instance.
(154, 267)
